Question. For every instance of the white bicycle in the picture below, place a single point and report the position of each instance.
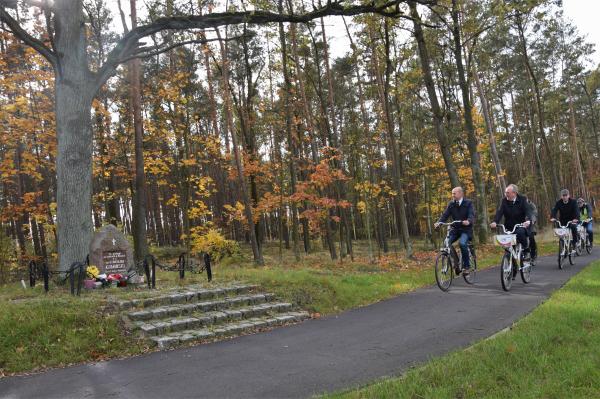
(584, 239)
(512, 261)
(449, 262)
(565, 241)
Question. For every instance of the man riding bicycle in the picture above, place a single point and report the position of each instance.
(569, 212)
(516, 210)
(585, 212)
(461, 210)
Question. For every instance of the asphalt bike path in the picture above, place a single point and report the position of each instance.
(318, 355)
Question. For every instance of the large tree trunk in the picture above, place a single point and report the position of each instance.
(140, 244)
(438, 122)
(575, 147)
(539, 110)
(293, 153)
(383, 83)
(489, 127)
(472, 142)
(74, 94)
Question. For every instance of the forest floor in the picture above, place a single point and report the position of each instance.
(39, 330)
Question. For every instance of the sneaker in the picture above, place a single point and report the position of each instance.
(466, 272)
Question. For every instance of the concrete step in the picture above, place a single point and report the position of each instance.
(234, 328)
(191, 294)
(150, 328)
(162, 312)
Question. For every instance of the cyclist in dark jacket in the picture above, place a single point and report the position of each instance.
(515, 209)
(461, 209)
(569, 212)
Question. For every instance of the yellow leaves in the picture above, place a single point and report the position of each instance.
(173, 201)
(361, 206)
(188, 162)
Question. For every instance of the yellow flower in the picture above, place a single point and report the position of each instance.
(92, 271)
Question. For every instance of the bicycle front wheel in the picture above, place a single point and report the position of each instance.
(470, 278)
(561, 249)
(526, 271)
(579, 247)
(506, 272)
(588, 245)
(444, 272)
(570, 252)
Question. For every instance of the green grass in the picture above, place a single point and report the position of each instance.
(552, 353)
(40, 330)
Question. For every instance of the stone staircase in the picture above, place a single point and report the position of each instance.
(196, 314)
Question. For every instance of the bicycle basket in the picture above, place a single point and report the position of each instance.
(562, 232)
(506, 240)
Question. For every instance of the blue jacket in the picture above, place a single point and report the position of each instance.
(464, 211)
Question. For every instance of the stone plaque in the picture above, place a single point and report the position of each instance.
(114, 261)
(110, 251)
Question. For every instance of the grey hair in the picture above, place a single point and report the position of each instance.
(513, 187)
(564, 191)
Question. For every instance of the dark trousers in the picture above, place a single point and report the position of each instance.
(574, 233)
(522, 235)
(463, 241)
(532, 245)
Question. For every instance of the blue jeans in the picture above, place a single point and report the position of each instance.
(590, 230)
(463, 242)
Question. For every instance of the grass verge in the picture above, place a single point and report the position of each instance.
(552, 353)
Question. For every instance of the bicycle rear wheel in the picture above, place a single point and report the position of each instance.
(506, 272)
(444, 272)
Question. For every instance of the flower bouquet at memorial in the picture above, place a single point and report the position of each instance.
(117, 280)
(91, 274)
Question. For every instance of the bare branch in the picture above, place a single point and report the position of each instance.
(145, 52)
(128, 43)
(31, 41)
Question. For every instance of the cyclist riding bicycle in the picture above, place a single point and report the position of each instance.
(516, 210)
(461, 209)
(585, 212)
(569, 212)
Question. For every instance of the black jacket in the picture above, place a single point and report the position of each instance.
(568, 211)
(513, 213)
(465, 211)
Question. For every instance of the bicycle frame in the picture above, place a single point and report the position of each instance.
(447, 246)
(564, 233)
(508, 241)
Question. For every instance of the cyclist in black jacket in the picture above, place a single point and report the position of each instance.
(461, 209)
(515, 210)
(569, 212)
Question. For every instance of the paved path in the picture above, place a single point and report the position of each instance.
(316, 356)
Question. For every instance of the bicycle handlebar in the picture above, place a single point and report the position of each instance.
(564, 227)
(513, 230)
(449, 224)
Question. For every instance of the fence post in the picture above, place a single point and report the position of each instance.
(147, 271)
(207, 266)
(32, 270)
(181, 263)
(46, 276)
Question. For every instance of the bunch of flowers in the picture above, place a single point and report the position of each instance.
(97, 280)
